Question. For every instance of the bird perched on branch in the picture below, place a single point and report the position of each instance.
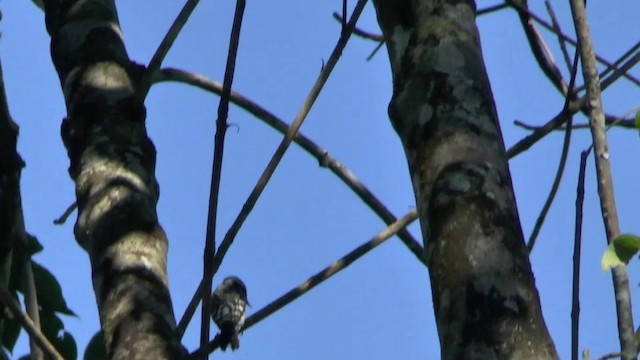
(228, 305)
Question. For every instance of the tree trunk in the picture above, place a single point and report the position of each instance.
(112, 161)
(484, 295)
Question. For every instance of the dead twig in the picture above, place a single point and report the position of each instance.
(318, 278)
(28, 325)
(145, 82)
(605, 180)
(279, 153)
(216, 172)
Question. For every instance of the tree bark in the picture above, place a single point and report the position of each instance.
(112, 161)
(484, 295)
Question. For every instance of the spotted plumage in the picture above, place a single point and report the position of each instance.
(228, 307)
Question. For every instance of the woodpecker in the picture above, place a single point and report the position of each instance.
(228, 305)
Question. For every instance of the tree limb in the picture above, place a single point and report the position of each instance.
(318, 278)
(605, 180)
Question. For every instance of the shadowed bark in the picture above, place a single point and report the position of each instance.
(485, 300)
(112, 161)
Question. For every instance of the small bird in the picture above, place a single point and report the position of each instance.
(228, 306)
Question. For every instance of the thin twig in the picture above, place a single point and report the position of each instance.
(216, 172)
(543, 23)
(28, 325)
(145, 82)
(490, 9)
(609, 120)
(622, 58)
(554, 188)
(569, 96)
(574, 107)
(344, 17)
(365, 35)
(541, 51)
(63, 218)
(324, 159)
(615, 64)
(319, 277)
(558, 30)
(613, 355)
(28, 283)
(279, 153)
(359, 32)
(323, 156)
(375, 51)
(577, 245)
(605, 180)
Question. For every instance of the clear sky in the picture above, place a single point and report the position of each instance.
(380, 308)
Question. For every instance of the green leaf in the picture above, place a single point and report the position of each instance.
(637, 120)
(33, 245)
(620, 251)
(11, 332)
(95, 349)
(50, 325)
(49, 291)
(53, 329)
(66, 346)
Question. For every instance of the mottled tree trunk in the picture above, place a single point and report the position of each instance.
(485, 300)
(112, 161)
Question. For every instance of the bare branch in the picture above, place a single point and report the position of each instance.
(577, 245)
(216, 172)
(279, 153)
(605, 180)
(570, 95)
(613, 355)
(491, 9)
(558, 30)
(609, 120)
(163, 49)
(31, 304)
(319, 277)
(325, 159)
(632, 51)
(574, 107)
(63, 218)
(540, 50)
(359, 32)
(28, 325)
(550, 27)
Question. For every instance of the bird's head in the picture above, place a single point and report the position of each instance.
(233, 284)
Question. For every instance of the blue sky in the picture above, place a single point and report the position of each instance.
(380, 308)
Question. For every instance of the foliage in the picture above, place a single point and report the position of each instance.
(620, 251)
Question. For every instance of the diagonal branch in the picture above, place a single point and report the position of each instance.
(632, 51)
(359, 32)
(609, 121)
(605, 180)
(324, 158)
(319, 277)
(279, 153)
(569, 95)
(216, 172)
(519, 8)
(540, 50)
(556, 27)
(34, 333)
(574, 107)
(163, 49)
